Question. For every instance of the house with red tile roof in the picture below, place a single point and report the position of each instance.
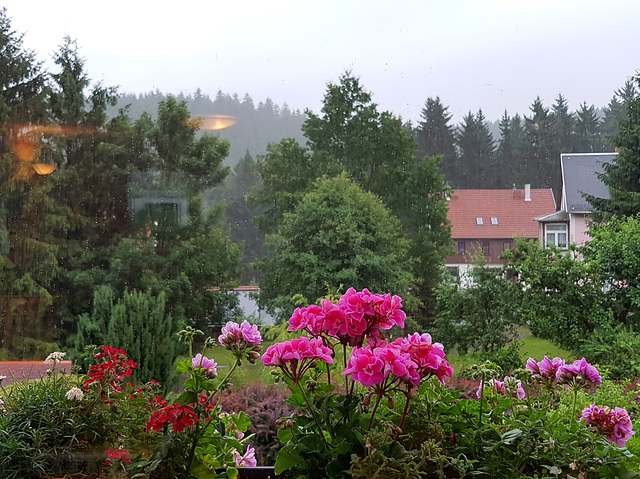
(488, 222)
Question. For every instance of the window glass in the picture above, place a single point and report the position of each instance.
(556, 234)
(479, 221)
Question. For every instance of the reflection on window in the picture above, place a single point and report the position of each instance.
(556, 234)
(461, 247)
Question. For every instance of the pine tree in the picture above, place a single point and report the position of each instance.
(622, 175)
(436, 137)
(477, 150)
(588, 136)
(510, 155)
(541, 166)
(615, 111)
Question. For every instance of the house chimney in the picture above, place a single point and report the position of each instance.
(527, 192)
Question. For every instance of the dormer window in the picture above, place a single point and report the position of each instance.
(479, 221)
(494, 221)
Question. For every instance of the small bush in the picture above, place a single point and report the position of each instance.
(264, 405)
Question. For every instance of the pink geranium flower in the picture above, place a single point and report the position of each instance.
(295, 357)
(546, 369)
(372, 366)
(242, 340)
(429, 357)
(391, 313)
(614, 424)
(234, 335)
(580, 373)
(366, 367)
(311, 319)
(209, 365)
(246, 460)
(508, 387)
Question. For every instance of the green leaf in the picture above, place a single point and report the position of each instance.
(183, 366)
(285, 435)
(510, 436)
(186, 397)
(241, 421)
(288, 457)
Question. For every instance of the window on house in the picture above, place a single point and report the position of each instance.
(485, 248)
(506, 245)
(494, 221)
(453, 271)
(479, 221)
(556, 234)
(461, 247)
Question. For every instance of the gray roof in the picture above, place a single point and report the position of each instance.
(579, 175)
(553, 217)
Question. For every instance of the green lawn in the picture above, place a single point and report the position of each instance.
(537, 348)
(530, 347)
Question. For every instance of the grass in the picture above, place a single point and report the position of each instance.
(537, 348)
(530, 347)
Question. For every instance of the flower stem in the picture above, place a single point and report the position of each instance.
(313, 413)
(481, 394)
(404, 413)
(200, 432)
(344, 360)
(375, 408)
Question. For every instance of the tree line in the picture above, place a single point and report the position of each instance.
(528, 147)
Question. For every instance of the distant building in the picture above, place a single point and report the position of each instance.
(488, 221)
(570, 224)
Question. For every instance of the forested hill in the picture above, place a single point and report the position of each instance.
(258, 125)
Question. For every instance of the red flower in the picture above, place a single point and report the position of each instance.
(115, 366)
(180, 417)
(116, 455)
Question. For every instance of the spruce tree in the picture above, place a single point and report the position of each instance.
(436, 137)
(588, 136)
(622, 175)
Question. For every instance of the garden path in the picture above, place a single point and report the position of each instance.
(19, 370)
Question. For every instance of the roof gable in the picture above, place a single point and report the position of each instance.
(515, 216)
(580, 175)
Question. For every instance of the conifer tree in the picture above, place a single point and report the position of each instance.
(622, 175)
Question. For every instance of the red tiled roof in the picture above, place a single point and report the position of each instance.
(515, 215)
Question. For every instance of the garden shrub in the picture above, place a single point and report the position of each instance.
(265, 405)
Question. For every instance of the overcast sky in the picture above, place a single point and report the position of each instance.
(489, 54)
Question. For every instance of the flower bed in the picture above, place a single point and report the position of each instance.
(384, 411)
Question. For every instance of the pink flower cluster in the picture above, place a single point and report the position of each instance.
(509, 387)
(580, 373)
(295, 357)
(246, 460)
(545, 369)
(209, 366)
(358, 315)
(409, 360)
(242, 339)
(614, 424)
